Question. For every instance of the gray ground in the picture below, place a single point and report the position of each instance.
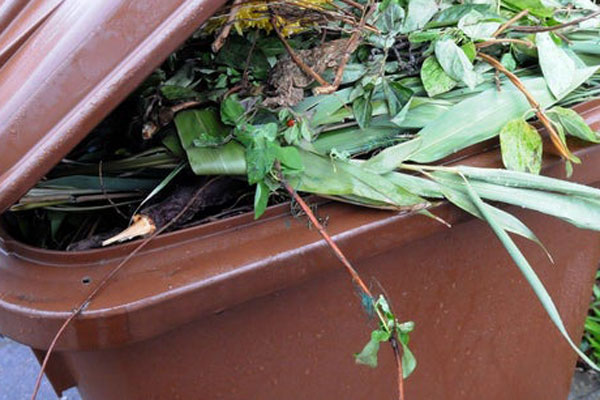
(18, 370)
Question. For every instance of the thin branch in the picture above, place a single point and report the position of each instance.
(510, 22)
(107, 278)
(354, 4)
(398, 359)
(491, 42)
(334, 248)
(556, 140)
(536, 29)
(353, 43)
(305, 68)
(222, 37)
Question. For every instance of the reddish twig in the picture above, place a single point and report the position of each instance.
(224, 33)
(107, 278)
(510, 22)
(303, 66)
(353, 43)
(398, 359)
(537, 29)
(492, 42)
(556, 140)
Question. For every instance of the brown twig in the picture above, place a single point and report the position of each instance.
(492, 42)
(305, 68)
(556, 140)
(353, 43)
(354, 4)
(224, 33)
(398, 359)
(510, 22)
(537, 29)
(334, 248)
(107, 278)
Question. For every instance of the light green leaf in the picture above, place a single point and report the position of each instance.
(474, 26)
(573, 124)
(509, 62)
(455, 62)
(261, 199)
(368, 355)
(521, 146)
(418, 15)
(200, 128)
(515, 179)
(363, 110)
(557, 66)
(232, 111)
(435, 80)
(528, 272)
(535, 7)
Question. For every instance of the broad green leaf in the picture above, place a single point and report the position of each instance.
(557, 66)
(368, 355)
(228, 159)
(363, 109)
(418, 15)
(455, 62)
(476, 27)
(453, 130)
(289, 157)
(355, 140)
(232, 111)
(507, 221)
(390, 158)
(396, 96)
(261, 199)
(200, 128)
(573, 124)
(172, 92)
(581, 212)
(515, 179)
(509, 62)
(528, 272)
(453, 14)
(435, 79)
(535, 7)
(521, 146)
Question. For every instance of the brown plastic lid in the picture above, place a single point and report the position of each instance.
(65, 64)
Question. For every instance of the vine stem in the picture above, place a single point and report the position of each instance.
(510, 22)
(107, 278)
(350, 269)
(560, 146)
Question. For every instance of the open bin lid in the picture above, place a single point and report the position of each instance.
(65, 64)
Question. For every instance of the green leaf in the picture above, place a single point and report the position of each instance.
(528, 273)
(579, 211)
(289, 157)
(455, 62)
(368, 355)
(363, 109)
(515, 179)
(232, 111)
(409, 362)
(457, 196)
(573, 124)
(509, 62)
(435, 80)
(172, 92)
(453, 14)
(521, 146)
(535, 7)
(396, 96)
(418, 15)
(201, 128)
(557, 66)
(474, 26)
(261, 199)
(228, 159)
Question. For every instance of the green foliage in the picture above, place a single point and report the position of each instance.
(521, 147)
